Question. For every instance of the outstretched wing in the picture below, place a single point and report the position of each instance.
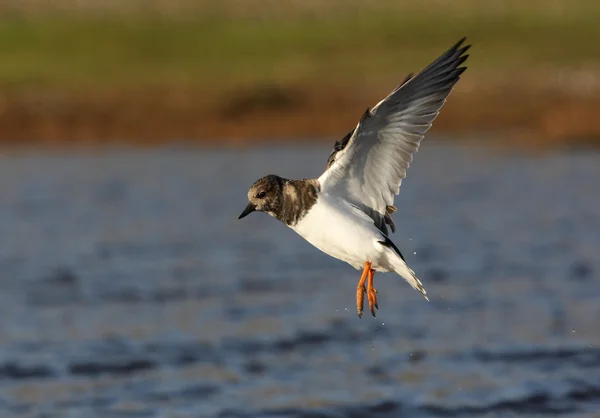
(367, 166)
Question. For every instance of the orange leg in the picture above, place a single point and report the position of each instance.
(360, 289)
(372, 293)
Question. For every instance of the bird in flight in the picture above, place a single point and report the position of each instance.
(347, 211)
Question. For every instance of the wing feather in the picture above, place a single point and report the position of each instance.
(367, 166)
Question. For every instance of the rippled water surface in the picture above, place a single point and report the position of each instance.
(130, 289)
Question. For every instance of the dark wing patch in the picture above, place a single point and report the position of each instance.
(365, 115)
(388, 243)
(340, 145)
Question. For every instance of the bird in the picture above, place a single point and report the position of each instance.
(347, 211)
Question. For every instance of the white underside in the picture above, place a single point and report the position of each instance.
(343, 231)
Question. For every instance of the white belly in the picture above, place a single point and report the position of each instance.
(342, 231)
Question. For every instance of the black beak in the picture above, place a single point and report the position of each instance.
(249, 209)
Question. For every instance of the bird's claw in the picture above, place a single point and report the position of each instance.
(373, 305)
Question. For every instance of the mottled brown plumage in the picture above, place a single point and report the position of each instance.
(286, 200)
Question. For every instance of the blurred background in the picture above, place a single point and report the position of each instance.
(130, 132)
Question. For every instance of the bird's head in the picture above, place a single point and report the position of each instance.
(264, 196)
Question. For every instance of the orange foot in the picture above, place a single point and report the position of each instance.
(372, 293)
(369, 290)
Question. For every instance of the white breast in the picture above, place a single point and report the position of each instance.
(340, 230)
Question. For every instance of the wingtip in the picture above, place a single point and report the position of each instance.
(459, 47)
(460, 42)
(464, 48)
(462, 60)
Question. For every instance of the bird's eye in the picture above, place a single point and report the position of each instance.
(262, 195)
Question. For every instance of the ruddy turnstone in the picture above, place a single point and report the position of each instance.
(346, 212)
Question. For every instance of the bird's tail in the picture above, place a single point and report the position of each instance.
(401, 268)
(398, 265)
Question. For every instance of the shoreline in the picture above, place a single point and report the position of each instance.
(534, 116)
(153, 72)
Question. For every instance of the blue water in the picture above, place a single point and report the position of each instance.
(130, 289)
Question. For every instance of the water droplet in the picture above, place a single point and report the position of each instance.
(573, 330)
(415, 252)
(383, 323)
(345, 309)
